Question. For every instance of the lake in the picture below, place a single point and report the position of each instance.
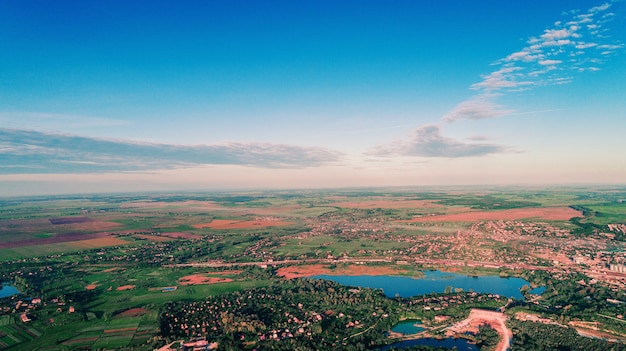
(8, 290)
(434, 282)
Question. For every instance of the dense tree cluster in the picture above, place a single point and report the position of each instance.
(531, 336)
(301, 314)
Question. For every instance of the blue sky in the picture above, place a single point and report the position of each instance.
(117, 96)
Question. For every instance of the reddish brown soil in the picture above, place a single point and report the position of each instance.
(59, 238)
(239, 224)
(547, 213)
(134, 312)
(91, 287)
(198, 279)
(99, 242)
(125, 287)
(317, 269)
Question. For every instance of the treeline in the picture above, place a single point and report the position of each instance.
(301, 314)
(531, 336)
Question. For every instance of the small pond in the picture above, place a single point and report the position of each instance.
(8, 290)
(408, 327)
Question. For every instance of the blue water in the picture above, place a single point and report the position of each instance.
(538, 291)
(407, 328)
(8, 290)
(433, 282)
(450, 343)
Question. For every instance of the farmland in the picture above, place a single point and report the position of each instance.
(100, 271)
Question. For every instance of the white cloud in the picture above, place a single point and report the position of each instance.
(560, 42)
(550, 62)
(549, 58)
(582, 45)
(21, 150)
(611, 46)
(497, 80)
(600, 8)
(480, 107)
(554, 34)
(427, 141)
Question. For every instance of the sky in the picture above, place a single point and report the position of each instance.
(114, 96)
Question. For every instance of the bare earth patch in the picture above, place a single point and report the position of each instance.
(125, 287)
(198, 279)
(317, 269)
(547, 213)
(477, 318)
(239, 224)
(91, 287)
(134, 312)
(89, 240)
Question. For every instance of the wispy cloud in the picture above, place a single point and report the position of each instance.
(427, 141)
(25, 151)
(479, 107)
(577, 43)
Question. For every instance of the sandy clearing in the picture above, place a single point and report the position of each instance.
(477, 318)
(125, 287)
(546, 213)
(317, 269)
(198, 279)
